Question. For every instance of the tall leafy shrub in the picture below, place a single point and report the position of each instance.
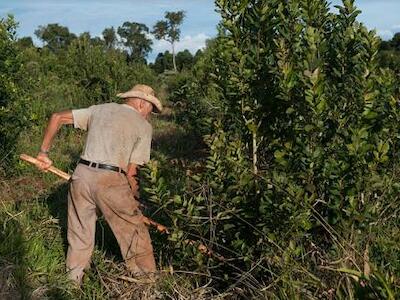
(303, 158)
(309, 101)
(102, 72)
(12, 118)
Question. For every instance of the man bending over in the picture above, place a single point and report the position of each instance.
(118, 141)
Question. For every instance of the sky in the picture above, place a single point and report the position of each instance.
(199, 25)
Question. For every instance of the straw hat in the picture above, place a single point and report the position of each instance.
(143, 92)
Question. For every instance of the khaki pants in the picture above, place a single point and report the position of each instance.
(109, 192)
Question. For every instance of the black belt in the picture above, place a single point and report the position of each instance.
(101, 166)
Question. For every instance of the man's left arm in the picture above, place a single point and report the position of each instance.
(131, 176)
(139, 157)
(56, 121)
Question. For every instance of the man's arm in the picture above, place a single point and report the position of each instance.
(131, 176)
(56, 120)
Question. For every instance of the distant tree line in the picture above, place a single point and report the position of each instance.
(390, 53)
(184, 61)
(393, 44)
(389, 57)
(132, 38)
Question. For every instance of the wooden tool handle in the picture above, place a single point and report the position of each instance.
(52, 169)
(66, 176)
(160, 228)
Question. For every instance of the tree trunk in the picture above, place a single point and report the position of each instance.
(173, 56)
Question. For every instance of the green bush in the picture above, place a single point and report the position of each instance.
(301, 178)
(102, 74)
(12, 101)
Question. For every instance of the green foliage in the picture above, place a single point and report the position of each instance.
(55, 36)
(12, 100)
(169, 30)
(164, 61)
(96, 71)
(389, 57)
(134, 38)
(8, 60)
(303, 139)
(393, 44)
(110, 37)
(184, 60)
(299, 106)
(25, 42)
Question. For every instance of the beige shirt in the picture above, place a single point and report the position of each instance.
(117, 134)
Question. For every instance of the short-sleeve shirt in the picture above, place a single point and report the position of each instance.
(117, 134)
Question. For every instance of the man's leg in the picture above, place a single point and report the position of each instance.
(122, 213)
(81, 229)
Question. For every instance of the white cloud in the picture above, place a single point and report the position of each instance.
(190, 42)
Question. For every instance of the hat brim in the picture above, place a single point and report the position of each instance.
(157, 106)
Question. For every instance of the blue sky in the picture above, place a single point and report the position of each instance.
(200, 24)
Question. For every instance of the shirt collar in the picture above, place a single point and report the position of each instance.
(128, 106)
(135, 110)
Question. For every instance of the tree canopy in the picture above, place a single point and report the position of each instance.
(110, 37)
(169, 30)
(135, 38)
(184, 61)
(55, 36)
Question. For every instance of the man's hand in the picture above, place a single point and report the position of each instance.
(134, 186)
(44, 162)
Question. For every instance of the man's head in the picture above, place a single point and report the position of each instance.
(142, 106)
(142, 98)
